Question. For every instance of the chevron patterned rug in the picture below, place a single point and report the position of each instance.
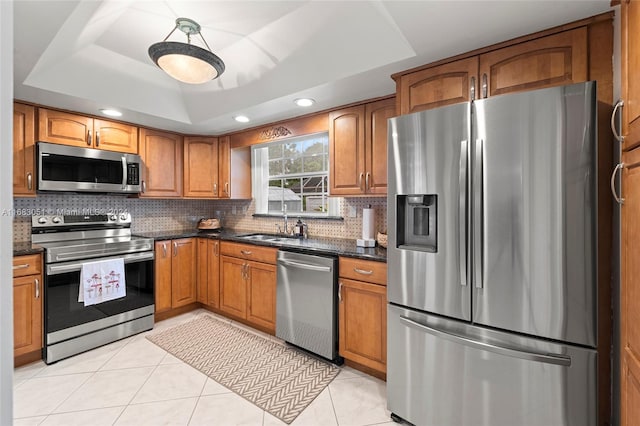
(276, 378)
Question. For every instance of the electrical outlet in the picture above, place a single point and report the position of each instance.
(353, 212)
(233, 210)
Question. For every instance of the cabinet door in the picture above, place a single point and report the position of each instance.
(233, 286)
(64, 128)
(377, 114)
(213, 272)
(630, 289)
(202, 275)
(630, 65)
(113, 136)
(200, 167)
(24, 155)
(262, 296)
(161, 154)
(183, 272)
(438, 86)
(346, 151)
(544, 62)
(27, 314)
(224, 168)
(162, 272)
(363, 323)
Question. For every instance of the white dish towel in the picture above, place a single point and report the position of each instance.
(102, 281)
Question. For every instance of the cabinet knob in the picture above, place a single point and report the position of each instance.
(29, 181)
(340, 292)
(484, 85)
(89, 137)
(37, 283)
(97, 138)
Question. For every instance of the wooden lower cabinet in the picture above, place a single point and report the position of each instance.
(233, 286)
(27, 307)
(363, 314)
(175, 273)
(248, 287)
(208, 280)
(261, 295)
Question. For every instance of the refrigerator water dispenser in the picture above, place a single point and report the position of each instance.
(418, 222)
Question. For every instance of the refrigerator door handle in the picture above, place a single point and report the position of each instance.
(462, 212)
(547, 358)
(477, 214)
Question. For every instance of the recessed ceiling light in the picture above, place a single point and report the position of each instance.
(304, 102)
(111, 112)
(241, 118)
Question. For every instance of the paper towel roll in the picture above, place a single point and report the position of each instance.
(368, 224)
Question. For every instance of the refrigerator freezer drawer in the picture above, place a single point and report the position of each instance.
(443, 372)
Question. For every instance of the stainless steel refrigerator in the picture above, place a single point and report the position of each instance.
(491, 257)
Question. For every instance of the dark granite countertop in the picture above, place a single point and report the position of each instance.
(25, 247)
(334, 246)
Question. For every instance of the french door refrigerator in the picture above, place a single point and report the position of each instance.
(492, 261)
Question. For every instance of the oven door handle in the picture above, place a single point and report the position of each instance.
(63, 268)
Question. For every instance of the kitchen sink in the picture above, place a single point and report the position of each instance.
(268, 237)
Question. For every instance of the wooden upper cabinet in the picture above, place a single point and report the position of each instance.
(113, 136)
(438, 86)
(201, 167)
(630, 289)
(346, 151)
(24, 138)
(544, 62)
(358, 148)
(161, 154)
(224, 168)
(630, 43)
(376, 116)
(65, 128)
(79, 130)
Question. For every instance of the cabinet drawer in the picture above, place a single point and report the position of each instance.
(27, 265)
(363, 270)
(249, 251)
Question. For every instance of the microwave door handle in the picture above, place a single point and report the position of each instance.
(124, 172)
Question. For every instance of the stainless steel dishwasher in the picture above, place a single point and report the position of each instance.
(306, 308)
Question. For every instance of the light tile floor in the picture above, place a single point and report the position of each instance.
(134, 382)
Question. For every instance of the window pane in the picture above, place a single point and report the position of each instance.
(292, 149)
(313, 164)
(291, 195)
(314, 146)
(275, 167)
(275, 150)
(275, 196)
(293, 166)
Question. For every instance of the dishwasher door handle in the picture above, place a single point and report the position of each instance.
(304, 266)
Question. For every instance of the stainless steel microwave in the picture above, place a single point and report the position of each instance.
(74, 169)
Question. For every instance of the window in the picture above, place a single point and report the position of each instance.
(292, 174)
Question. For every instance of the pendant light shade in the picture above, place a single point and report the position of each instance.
(184, 61)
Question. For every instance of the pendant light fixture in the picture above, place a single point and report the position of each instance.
(184, 61)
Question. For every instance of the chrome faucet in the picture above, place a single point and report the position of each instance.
(286, 222)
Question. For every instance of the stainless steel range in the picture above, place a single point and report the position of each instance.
(71, 242)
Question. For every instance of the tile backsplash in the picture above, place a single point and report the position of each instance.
(158, 215)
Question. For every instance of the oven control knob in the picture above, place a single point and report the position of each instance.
(113, 217)
(56, 219)
(42, 220)
(123, 216)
